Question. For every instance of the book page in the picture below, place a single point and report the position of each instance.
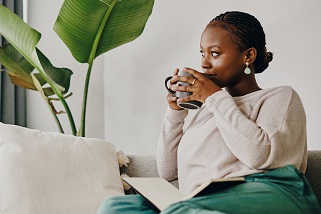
(162, 194)
(157, 190)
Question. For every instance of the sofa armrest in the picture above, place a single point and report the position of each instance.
(313, 172)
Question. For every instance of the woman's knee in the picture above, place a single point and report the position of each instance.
(110, 205)
(189, 207)
(125, 204)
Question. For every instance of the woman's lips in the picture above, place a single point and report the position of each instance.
(210, 76)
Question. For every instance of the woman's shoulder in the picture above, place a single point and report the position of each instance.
(280, 89)
(283, 94)
(283, 91)
(279, 94)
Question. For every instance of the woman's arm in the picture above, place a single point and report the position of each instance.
(170, 136)
(273, 135)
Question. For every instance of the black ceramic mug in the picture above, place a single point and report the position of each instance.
(193, 104)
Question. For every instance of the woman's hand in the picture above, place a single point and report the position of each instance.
(172, 100)
(201, 86)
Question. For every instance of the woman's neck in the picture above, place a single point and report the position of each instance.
(243, 88)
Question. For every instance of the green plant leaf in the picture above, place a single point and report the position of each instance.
(25, 39)
(22, 37)
(91, 28)
(17, 67)
(19, 70)
(61, 76)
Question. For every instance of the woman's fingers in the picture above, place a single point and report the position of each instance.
(196, 76)
(194, 73)
(176, 71)
(171, 98)
(172, 102)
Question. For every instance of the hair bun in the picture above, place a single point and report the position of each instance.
(269, 57)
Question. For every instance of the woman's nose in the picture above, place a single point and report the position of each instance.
(205, 64)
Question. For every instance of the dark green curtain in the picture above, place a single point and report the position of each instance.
(12, 98)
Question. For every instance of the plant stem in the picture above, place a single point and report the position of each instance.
(57, 122)
(84, 102)
(65, 105)
(56, 118)
(90, 64)
(52, 110)
(67, 109)
(61, 99)
(70, 118)
(48, 103)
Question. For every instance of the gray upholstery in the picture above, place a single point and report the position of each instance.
(142, 166)
(313, 172)
(145, 166)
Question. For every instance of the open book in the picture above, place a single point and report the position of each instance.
(161, 193)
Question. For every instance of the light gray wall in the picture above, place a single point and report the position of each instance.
(131, 109)
(134, 73)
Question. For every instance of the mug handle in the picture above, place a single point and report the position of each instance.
(169, 90)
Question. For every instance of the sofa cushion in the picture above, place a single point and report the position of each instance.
(43, 172)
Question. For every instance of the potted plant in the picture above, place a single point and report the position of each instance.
(88, 29)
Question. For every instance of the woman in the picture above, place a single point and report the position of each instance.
(241, 130)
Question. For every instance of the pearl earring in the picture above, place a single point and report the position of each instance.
(247, 69)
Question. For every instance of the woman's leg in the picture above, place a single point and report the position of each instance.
(283, 190)
(244, 198)
(128, 204)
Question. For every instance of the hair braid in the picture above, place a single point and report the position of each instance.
(246, 32)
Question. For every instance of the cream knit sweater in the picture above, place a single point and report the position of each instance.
(233, 136)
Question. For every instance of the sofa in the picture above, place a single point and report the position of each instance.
(145, 166)
(49, 172)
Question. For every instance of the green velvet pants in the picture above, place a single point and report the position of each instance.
(284, 190)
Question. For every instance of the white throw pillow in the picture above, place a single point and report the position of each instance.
(53, 173)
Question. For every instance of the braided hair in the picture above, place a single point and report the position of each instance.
(246, 32)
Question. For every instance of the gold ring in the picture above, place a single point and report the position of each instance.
(194, 81)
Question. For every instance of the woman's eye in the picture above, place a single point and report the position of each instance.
(214, 53)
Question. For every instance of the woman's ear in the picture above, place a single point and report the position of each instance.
(250, 55)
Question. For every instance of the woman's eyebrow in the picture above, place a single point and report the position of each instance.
(210, 47)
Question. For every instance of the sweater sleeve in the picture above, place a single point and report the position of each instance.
(170, 136)
(274, 136)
